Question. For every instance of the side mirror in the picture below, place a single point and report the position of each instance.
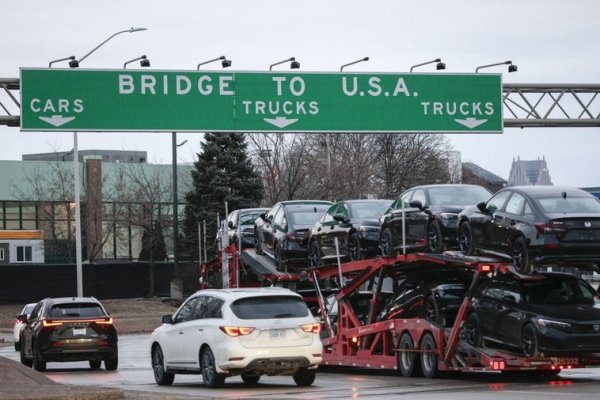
(481, 206)
(263, 216)
(230, 225)
(416, 204)
(22, 318)
(167, 319)
(341, 218)
(492, 208)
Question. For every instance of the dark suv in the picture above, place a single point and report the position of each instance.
(69, 329)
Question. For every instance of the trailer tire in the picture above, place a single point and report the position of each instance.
(429, 356)
(409, 362)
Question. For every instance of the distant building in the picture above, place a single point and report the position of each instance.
(529, 172)
(475, 175)
(118, 201)
(107, 156)
(21, 246)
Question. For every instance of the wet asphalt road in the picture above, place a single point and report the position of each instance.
(135, 373)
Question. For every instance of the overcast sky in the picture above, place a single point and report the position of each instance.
(551, 41)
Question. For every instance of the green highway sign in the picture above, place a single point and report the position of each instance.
(127, 100)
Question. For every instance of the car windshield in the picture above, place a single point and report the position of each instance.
(570, 205)
(269, 307)
(557, 291)
(369, 209)
(458, 195)
(76, 310)
(307, 215)
(249, 217)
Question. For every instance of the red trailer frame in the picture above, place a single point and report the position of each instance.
(416, 345)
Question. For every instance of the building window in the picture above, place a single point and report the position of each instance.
(24, 254)
(1, 254)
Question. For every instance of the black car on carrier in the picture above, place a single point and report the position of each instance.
(534, 225)
(355, 224)
(540, 315)
(282, 232)
(69, 329)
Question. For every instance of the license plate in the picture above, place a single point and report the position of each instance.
(277, 335)
(78, 331)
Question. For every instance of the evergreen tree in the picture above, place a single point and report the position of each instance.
(223, 173)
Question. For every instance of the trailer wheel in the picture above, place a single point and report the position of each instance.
(409, 363)
(429, 356)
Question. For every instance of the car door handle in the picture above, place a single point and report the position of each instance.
(513, 222)
(200, 330)
(319, 229)
(181, 332)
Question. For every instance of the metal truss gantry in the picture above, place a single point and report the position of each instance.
(526, 105)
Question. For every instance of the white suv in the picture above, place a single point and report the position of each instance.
(248, 332)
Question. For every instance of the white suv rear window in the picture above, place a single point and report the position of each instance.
(270, 307)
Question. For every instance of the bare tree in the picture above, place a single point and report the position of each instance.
(403, 161)
(140, 194)
(343, 166)
(50, 187)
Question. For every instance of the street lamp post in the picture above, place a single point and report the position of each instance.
(353, 62)
(511, 67)
(294, 64)
(78, 256)
(440, 65)
(175, 202)
(144, 62)
(225, 63)
(75, 63)
(60, 59)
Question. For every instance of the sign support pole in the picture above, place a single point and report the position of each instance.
(77, 218)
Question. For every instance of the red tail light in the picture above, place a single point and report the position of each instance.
(48, 322)
(99, 321)
(311, 328)
(550, 228)
(235, 331)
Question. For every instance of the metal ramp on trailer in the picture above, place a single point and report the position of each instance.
(265, 266)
